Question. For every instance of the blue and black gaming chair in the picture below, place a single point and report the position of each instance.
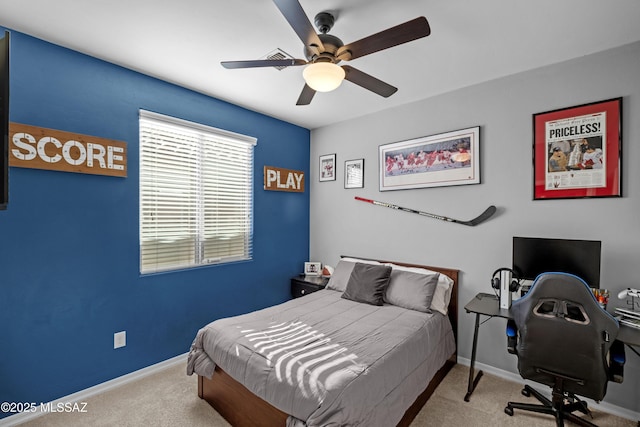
(565, 340)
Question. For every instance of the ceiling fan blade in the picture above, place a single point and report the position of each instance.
(368, 82)
(394, 36)
(263, 63)
(294, 14)
(306, 95)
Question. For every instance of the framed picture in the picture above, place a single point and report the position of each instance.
(354, 173)
(328, 167)
(577, 151)
(450, 158)
(312, 268)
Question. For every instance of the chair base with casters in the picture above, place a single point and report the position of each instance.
(561, 406)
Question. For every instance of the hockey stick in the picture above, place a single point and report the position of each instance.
(475, 221)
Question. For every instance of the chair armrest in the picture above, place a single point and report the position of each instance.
(512, 336)
(617, 360)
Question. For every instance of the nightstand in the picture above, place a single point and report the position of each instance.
(302, 285)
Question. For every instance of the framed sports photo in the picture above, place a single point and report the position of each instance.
(577, 151)
(327, 167)
(354, 173)
(450, 158)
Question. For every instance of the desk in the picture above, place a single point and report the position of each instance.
(488, 305)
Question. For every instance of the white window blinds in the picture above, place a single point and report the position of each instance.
(196, 194)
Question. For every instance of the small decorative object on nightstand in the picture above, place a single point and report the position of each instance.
(302, 285)
(313, 268)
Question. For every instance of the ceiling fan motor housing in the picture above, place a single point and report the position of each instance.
(324, 22)
(331, 45)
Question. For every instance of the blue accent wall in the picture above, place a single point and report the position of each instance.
(69, 256)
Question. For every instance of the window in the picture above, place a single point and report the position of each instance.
(196, 194)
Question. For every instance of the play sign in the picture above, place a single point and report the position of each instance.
(279, 179)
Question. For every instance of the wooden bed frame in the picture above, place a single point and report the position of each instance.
(241, 408)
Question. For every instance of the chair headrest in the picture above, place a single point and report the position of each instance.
(562, 295)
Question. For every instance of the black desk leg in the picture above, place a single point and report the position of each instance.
(636, 352)
(473, 382)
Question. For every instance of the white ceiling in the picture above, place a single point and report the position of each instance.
(183, 42)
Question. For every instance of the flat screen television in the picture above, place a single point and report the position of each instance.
(4, 121)
(533, 255)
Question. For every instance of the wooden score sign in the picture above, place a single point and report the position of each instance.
(279, 179)
(41, 148)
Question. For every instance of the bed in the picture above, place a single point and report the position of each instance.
(370, 349)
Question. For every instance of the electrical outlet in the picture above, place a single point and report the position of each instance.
(119, 339)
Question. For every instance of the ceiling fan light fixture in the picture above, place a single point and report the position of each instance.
(323, 76)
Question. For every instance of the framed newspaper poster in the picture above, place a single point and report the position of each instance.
(577, 151)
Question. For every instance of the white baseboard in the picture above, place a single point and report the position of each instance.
(83, 395)
(510, 376)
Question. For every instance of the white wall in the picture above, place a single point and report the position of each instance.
(503, 108)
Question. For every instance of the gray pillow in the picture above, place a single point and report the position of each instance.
(340, 276)
(367, 283)
(411, 290)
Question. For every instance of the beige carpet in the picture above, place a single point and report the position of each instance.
(169, 398)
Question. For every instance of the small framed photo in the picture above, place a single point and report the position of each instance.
(577, 151)
(312, 268)
(450, 158)
(328, 167)
(354, 173)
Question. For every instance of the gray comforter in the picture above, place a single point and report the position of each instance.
(328, 361)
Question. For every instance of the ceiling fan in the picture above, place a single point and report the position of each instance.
(325, 51)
